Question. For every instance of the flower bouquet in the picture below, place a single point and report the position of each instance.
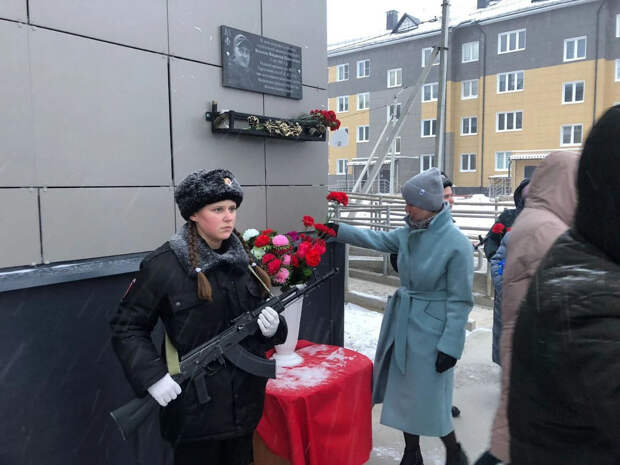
(317, 121)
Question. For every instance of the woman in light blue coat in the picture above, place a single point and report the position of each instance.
(423, 329)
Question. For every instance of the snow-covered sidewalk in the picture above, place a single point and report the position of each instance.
(476, 389)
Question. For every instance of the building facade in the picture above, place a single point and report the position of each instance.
(524, 78)
(102, 114)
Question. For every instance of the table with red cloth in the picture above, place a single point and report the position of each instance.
(319, 412)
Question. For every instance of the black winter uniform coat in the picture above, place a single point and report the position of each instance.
(166, 288)
(506, 218)
(564, 404)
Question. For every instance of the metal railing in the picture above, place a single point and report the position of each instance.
(387, 212)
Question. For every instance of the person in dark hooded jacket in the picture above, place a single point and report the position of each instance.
(504, 222)
(196, 283)
(564, 399)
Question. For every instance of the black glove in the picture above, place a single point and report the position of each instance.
(444, 362)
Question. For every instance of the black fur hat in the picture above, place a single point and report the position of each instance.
(203, 187)
(598, 185)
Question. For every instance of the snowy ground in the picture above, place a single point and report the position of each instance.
(476, 389)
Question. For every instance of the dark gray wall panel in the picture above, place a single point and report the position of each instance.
(137, 23)
(459, 71)
(608, 30)
(253, 211)
(195, 25)
(545, 37)
(17, 149)
(194, 86)
(287, 24)
(13, 9)
(19, 235)
(286, 206)
(104, 123)
(290, 162)
(98, 222)
(406, 55)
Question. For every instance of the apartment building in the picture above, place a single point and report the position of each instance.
(525, 78)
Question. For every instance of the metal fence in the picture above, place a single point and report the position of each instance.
(387, 212)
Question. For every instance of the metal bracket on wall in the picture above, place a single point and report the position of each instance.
(233, 122)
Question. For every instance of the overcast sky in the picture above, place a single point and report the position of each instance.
(352, 19)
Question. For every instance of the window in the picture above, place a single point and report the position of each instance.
(430, 92)
(502, 160)
(363, 101)
(395, 77)
(393, 110)
(429, 127)
(468, 162)
(575, 49)
(512, 41)
(426, 162)
(470, 52)
(617, 70)
(510, 82)
(363, 68)
(395, 147)
(342, 166)
(426, 56)
(363, 133)
(618, 25)
(571, 134)
(469, 89)
(343, 104)
(343, 72)
(510, 121)
(572, 92)
(469, 126)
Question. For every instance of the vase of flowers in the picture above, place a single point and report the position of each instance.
(289, 259)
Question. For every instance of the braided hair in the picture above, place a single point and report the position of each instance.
(205, 291)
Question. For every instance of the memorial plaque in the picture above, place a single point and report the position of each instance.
(256, 63)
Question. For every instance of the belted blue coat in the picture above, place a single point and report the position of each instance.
(427, 314)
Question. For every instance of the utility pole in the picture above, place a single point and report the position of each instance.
(440, 135)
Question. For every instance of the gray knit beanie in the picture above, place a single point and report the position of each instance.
(203, 187)
(424, 190)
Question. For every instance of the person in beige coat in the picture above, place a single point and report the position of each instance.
(549, 211)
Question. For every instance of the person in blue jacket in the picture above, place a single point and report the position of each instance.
(423, 330)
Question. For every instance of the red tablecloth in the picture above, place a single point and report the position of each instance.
(319, 413)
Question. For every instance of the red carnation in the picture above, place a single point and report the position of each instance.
(274, 266)
(325, 229)
(268, 257)
(313, 257)
(339, 197)
(308, 221)
(262, 241)
(295, 261)
(303, 249)
(320, 246)
(305, 237)
(498, 228)
(266, 232)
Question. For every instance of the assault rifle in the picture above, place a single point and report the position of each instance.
(225, 345)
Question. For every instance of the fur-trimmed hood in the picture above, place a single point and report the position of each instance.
(235, 254)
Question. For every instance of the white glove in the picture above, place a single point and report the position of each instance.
(268, 321)
(164, 390)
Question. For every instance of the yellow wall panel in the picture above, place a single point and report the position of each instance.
(331, 74)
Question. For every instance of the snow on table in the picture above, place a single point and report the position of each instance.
(302, 376)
